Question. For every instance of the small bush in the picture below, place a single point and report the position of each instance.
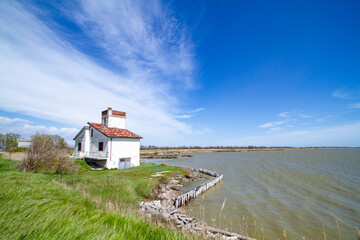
(19, 149)
(44, 156)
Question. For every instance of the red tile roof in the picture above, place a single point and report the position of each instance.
(114, 132)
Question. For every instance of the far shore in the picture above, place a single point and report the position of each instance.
(171, 153)
(206, 150)
(223, 149)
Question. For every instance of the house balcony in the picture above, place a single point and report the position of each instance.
(102, 156)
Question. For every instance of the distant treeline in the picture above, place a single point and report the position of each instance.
(143, 147)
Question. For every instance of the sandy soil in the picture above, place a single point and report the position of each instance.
(14, 156)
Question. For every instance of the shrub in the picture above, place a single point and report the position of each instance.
(20, 149)
(45, 156)
(9, 141)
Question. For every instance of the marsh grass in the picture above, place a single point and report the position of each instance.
(285, 235)
(86, 205)
(221, 210)
(323, 229)
(338, 227)
(251, 228)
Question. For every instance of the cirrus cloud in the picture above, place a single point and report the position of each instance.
(273, 124)
(344, 94)
(354, 105)
(45, 75)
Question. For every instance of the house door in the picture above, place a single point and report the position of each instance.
(124, 163)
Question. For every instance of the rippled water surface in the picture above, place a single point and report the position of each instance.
(295, 190)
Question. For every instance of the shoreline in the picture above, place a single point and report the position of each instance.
(174, 153)
(161, 153)
(167, 207)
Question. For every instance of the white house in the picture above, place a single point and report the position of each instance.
(108, 144)
(24, 143)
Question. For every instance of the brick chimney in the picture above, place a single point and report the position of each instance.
(113, 118)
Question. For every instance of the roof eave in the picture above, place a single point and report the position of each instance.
(125, 137)
(77, 135)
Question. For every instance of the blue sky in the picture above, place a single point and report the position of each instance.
(279, 73)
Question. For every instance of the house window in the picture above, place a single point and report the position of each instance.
(101, 146)
(79, 146)
(92, 132)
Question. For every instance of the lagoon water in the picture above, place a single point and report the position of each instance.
(304, 192)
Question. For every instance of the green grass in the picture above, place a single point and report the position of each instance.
(125, 186)
(87, 205)
(19, 149)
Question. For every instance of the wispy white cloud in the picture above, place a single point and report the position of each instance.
(273, 124)
(284, 114)
(288, 114)
(183, 116)
(12, 121)
(283, 125)
(275, 130)
(344, 94)
(26, 129)
(189, 114)
(197, 110)
(354, 105)
(305, 115)
(343, 135)
(140, 35)
(42, 75)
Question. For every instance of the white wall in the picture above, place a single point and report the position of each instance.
(83, 138)
(124, 148)
(94, 143)
(116, 122)
(24, 143)
(86, 141)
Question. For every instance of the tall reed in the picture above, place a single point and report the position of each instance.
(285, 236)
(323, 229)
(222, 208)
(338, 227)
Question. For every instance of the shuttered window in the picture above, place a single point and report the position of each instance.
(79, 146)
(101, 146)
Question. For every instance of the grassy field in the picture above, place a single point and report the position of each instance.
(88, 205)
